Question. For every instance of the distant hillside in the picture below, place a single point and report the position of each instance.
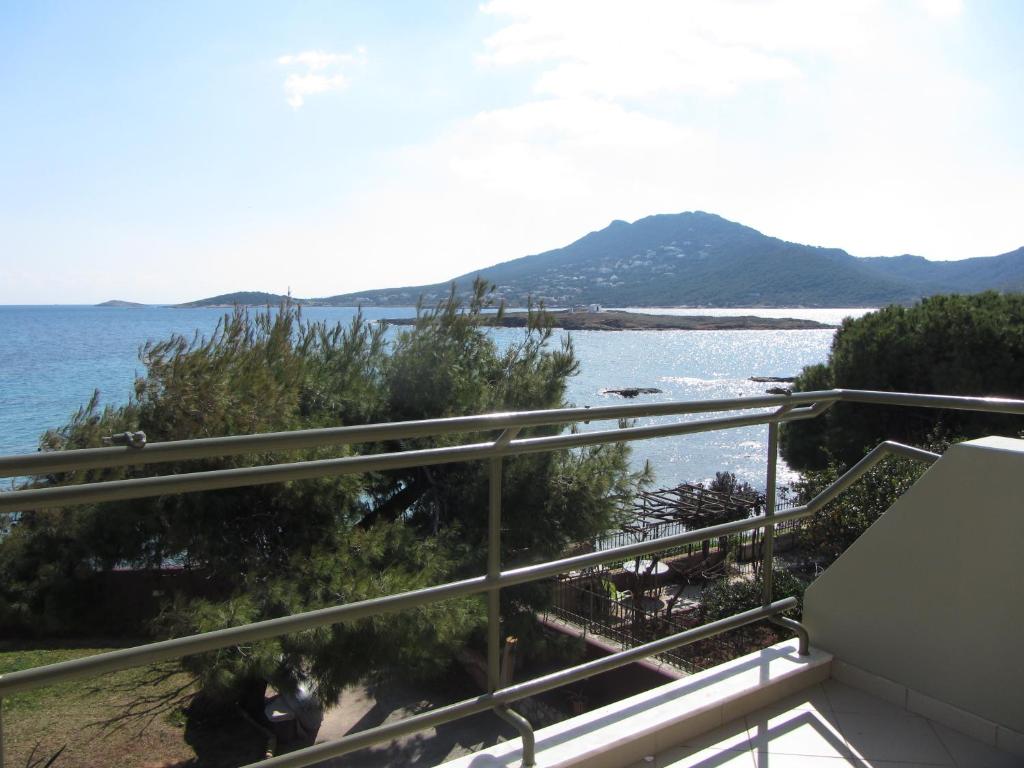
(120, 303)
(244, 298)
(700, 259)
(1004, 272)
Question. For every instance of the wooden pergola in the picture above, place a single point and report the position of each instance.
(691, 503)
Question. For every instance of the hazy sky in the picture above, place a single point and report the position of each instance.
(163, 152)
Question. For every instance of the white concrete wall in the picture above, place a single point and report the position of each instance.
(932, 595)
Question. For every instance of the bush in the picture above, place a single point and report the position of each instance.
(827, 534)
(725, 597)
(952, 345)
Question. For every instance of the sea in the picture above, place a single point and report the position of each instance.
(52, 358)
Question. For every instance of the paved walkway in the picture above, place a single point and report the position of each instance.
(361, 707)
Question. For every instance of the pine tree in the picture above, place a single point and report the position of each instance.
(272, 550)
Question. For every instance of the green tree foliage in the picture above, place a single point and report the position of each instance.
(826, 535)
(716, 511)
(954, 345)
(277, 549)
(725, 597)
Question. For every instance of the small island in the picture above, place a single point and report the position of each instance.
(614, 320)
(120, 303)
(245, 299)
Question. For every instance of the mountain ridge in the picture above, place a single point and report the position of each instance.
(699, 259)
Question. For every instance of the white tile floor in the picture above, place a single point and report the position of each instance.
(831, 725)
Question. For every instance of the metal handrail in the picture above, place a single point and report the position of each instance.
(117, 490)
(199, 448)
(785, 408)
(210, 447)
(522, 690)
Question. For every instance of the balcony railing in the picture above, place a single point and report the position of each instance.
(772, 410)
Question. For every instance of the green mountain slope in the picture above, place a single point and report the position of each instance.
(700, 259)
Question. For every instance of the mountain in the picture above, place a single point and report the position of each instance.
(119, 303)
(700, 259)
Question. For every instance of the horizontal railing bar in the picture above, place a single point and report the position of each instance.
(790, 407)
(539, 571)
(220, 479)
(513, 693)
(199, 448)
(13, 682)
(606, 664)
(580, 439)
(641, 548)
(147, 487)
(946, 402)
(95, 458)
(163, 650)
(111, 661)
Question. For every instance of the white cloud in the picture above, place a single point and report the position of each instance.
(566, 143)
(649, 47)
(505, 183)
(943, 9)
(322, 73)
(843, 125)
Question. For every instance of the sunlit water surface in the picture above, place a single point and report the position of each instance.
(53, 357)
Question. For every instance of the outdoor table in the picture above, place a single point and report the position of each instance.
(282, 719)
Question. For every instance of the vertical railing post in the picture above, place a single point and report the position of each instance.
(520, 723)
(767, 563)
(493, 572)
(768, 542)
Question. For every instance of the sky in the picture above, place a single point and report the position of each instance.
(165, 152)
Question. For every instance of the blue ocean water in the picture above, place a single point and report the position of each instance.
(52, 358)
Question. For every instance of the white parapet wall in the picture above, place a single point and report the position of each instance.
(629, 730)
(932, 596)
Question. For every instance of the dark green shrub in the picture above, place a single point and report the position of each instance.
(952, 345)
(725, 597)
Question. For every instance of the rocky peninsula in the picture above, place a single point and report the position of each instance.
(614, 320)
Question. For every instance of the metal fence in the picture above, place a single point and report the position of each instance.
(599, 614)
(662, 530)
(583, 599)
(769, 409)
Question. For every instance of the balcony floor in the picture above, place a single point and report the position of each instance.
(831, 724)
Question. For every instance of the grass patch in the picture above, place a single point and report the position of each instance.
(127, 718)
(27, 702)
